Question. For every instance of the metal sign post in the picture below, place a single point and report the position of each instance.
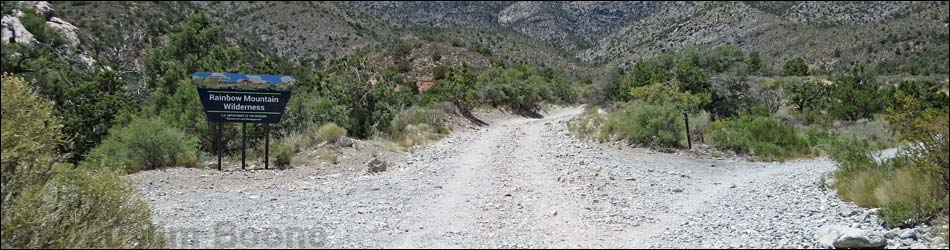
(217, 143)
(266, 145)
(243, 98)
(243, 145)
(689, 140)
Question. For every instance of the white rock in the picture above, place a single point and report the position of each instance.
(43, 8)
(846, 237)
(893, 233)
(909, 233)
(70, 32)
(14, 32)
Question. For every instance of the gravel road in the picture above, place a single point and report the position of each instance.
(519, 183)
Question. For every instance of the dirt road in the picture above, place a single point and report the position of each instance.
(518, 183)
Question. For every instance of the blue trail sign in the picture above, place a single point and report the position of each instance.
(243, 98)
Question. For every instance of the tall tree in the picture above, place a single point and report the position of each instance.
(754, 62)
(795, 67)
(857, 95)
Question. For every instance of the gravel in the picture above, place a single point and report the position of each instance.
(519, 183)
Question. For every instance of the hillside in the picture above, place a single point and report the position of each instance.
(829, 35)
(569, 36)
(328, 30)
(122, 33)
(827, 41)
(568, 25)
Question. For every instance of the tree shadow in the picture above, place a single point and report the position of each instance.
(529, 114)
(468, 115)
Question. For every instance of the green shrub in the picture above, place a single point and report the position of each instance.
(669, 93)
(858, 175)
(526, 96)
(588, 124)
(87, 122)
(296, 141)
(795, 67)
(910, 187)
(36, 25)
(819, 139)
(730, 93)
(439, 72)
(698, 122)
(327, 155)
(717, 74)
(145, 144)
(457, 86)
(519, 87)
(45, 206)
(30, 134)
(929, 129)
(80, 209)
(805, 94)
(759, 136)
(754, 62)
(436, 55)
(767, 94)
(283, 154)
(859, 186)
(418, 134)
(370, 106)
(183, 111)
(876, 133)
(897, 214)
(871, 135)
(308, 109)
(196, 46)
(288, 146)
(329, 133)
(408, 123)
(84, 101)
(911, 196)
(929, 94)
(647, 124)
(563, 91)
(857, 95)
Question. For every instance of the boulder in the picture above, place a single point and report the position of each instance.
(844, 211)
(343, 142)
(43, 9)
(14, 32)
(828, 180)
(921, 246)
(909, 233)
(905, 242)
(70, 33)
(87, 62)
(850, 238)
(375, 166)
(893, 233)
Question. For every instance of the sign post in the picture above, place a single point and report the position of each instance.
(266, 145)
(217, 143)
(689, 140)
(243, 98)
(243, 145)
